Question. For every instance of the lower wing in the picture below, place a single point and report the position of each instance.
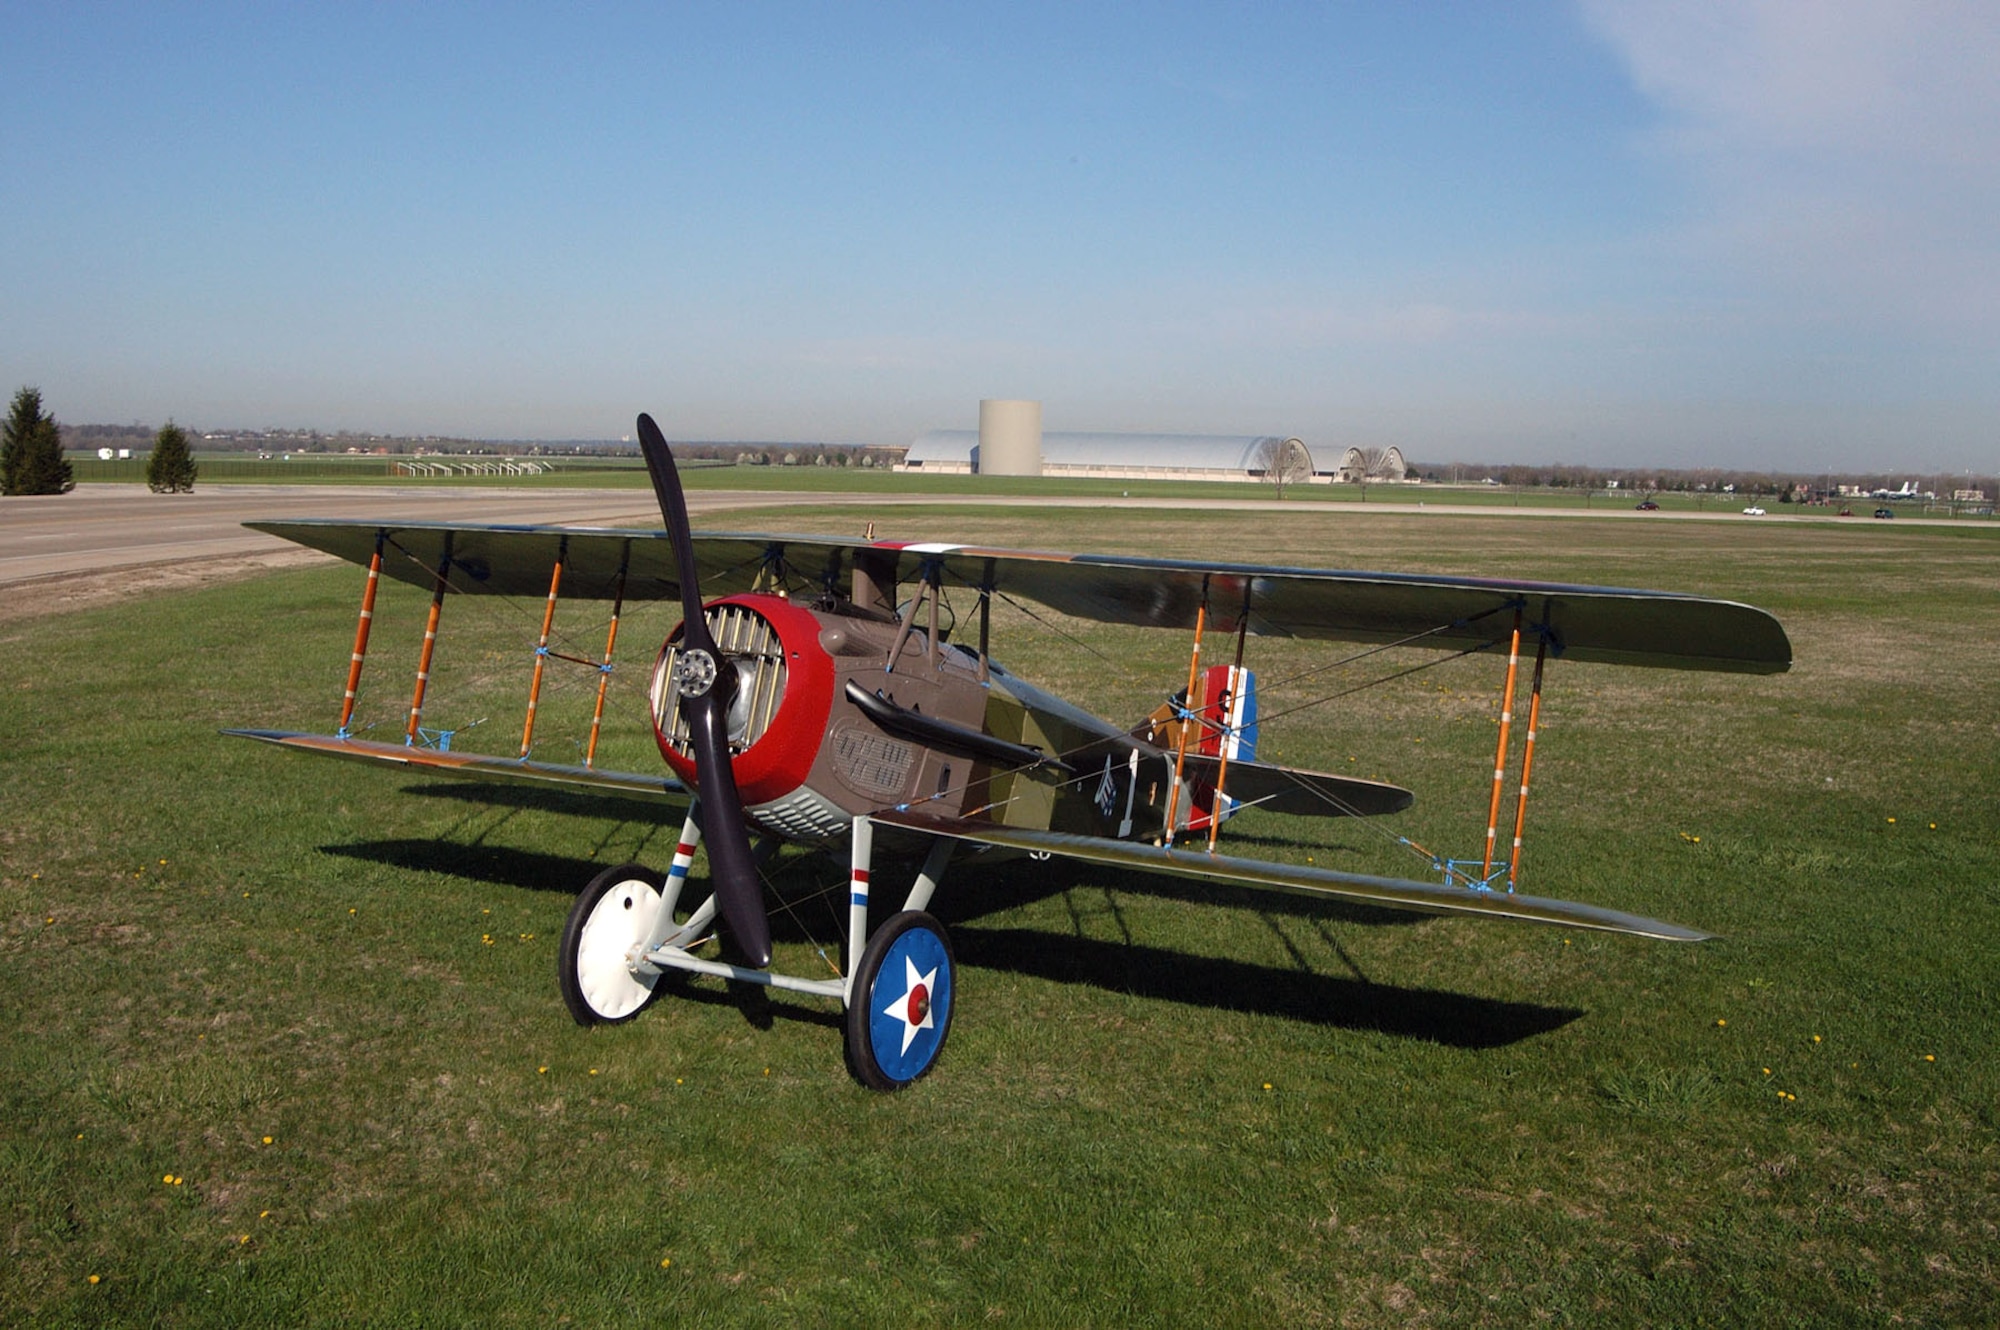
(1396, 893)
(474, 766)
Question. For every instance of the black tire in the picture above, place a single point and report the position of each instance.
(596, 986)
(886, 1048)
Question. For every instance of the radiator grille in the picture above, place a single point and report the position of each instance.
(750, 647)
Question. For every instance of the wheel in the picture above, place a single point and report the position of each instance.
(904, 991)
(612, 916)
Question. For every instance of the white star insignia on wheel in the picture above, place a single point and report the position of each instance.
(913, 1008)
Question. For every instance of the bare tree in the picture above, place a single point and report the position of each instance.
(1283, 462)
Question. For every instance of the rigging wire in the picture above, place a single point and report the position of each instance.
(793, 581)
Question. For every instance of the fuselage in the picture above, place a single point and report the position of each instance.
(934, 727)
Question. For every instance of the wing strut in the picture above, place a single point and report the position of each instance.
(361, 634)
(1229, 704)
(1187, 718)
(1528, 758)
(1500, 757)
(430, 645)
(542, 648)
(604, 666)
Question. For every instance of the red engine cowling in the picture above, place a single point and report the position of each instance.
(778, 714)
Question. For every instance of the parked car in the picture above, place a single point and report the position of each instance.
(1753, 511)
(1885, 512)
(1647, 506)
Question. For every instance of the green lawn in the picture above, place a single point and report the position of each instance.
(1160, 1105)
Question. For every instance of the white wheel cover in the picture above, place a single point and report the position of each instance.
(620, 922)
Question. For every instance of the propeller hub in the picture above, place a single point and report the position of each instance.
(694, 672)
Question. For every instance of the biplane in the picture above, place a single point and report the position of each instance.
(820, 692)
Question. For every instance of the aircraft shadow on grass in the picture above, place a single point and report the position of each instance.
(1121, 966)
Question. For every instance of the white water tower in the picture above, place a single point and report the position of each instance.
(1010, 438)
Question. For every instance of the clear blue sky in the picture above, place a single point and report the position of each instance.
(1656, 233)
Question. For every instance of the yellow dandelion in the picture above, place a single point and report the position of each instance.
(163, 863)
(767, 1071)
(263, 1214)
(1767, 1071)
(486, 911)
(1720, 1022)
(1781, 1094)
(541, 1071)
(679, 1081)
(267, 1140)
(242, 1239)
(1930, 1057)
(246, 895)
(51, 919)
(168, 1179)
(1892, 819)
(666, 1261)
(1267, 1085)
(1933, 826)
(593, 1071)
(1566, 942)
(94, 1278)
(350, 909)
(1815, 1039)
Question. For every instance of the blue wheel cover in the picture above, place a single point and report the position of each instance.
(909, 1004)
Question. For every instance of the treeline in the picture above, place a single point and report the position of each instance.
(138, 438)
(1695, 480)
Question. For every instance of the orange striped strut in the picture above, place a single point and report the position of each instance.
(1189, 703)
(1500, 757)
(1232, 723)
(430, 646)
(1528, 757)
(361, 638)
(542, 651)
(604, 669)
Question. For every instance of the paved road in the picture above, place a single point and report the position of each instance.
(102, 527)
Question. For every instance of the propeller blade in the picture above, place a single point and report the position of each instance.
(706, 684)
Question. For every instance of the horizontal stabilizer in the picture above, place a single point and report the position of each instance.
(475, 766)
(1301, 793)
(1389, 892)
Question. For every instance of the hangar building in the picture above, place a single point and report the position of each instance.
(1124, 456)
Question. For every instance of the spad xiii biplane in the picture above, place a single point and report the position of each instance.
(820, 699)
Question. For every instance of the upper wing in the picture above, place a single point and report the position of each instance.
(1396, 893)
(1610, 624)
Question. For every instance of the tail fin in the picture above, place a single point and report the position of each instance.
(1225, 728)
(1228, 714)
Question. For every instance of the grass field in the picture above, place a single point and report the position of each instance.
(283, 1044)
(597, 472)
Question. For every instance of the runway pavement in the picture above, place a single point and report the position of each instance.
(98, 528)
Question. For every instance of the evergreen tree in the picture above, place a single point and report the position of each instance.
(170, 470)
(31, 460)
